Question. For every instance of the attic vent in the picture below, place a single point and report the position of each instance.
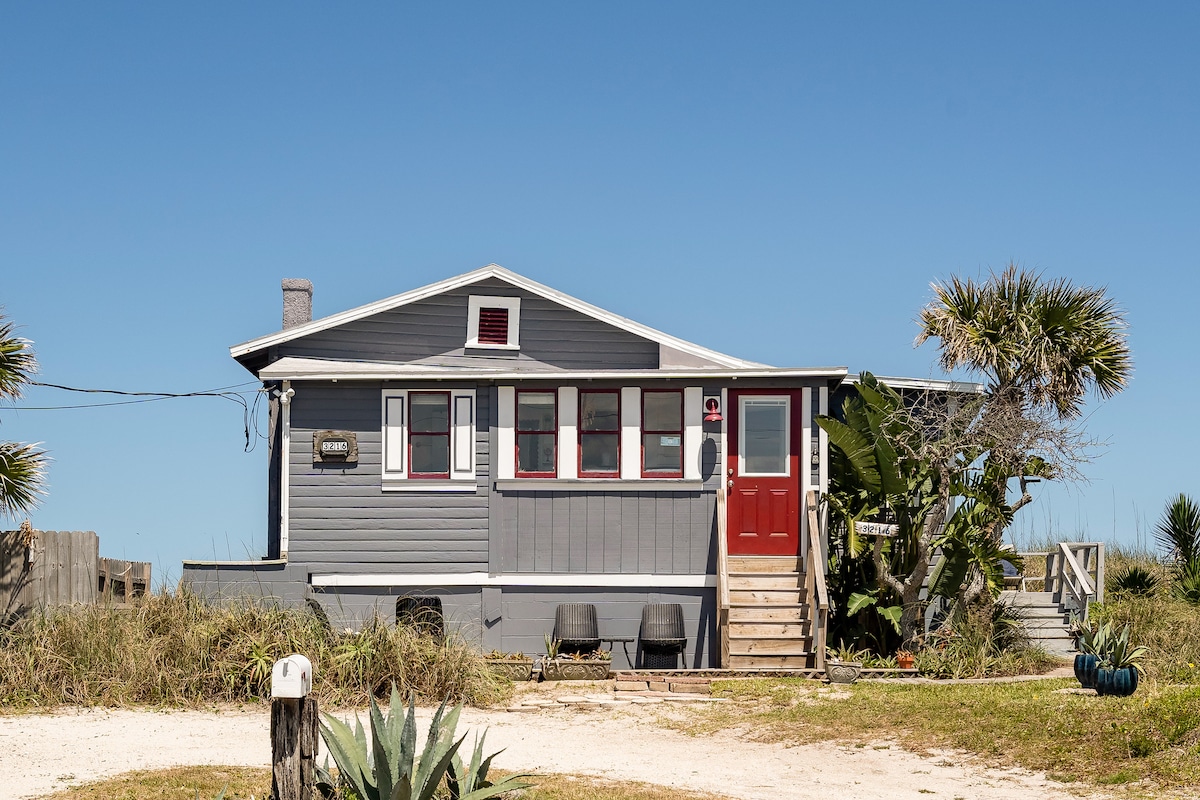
(494, 323)
(493, 326)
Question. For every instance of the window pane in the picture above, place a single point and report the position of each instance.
(598, 411)
(535, 411)
(430, 413)
(535, 452)
(764, 440)
(598, 453)
(663, 411)
(662, 453)
(430, 454)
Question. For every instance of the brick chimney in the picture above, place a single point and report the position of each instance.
(297, 302)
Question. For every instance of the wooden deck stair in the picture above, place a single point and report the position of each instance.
(769, 625)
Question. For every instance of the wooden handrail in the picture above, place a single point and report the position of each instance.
(819, 600)
(722, 578)
(1085, 580)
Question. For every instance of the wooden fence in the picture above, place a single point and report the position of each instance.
(59, 568)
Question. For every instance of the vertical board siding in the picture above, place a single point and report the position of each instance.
(434, 331)
(595, 532)
(340, 514)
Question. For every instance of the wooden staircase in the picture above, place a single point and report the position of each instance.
(769, 625)
(772, 612)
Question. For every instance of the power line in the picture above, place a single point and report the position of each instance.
(249, 410)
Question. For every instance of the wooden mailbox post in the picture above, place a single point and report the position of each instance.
(294, 729)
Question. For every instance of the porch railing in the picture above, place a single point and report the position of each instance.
(818, 592)
(1074, 575)
(722, 579)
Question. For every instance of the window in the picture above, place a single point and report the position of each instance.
(428, 436)
(537, 433)
(662, 434)
(600, 434)
(494, 323)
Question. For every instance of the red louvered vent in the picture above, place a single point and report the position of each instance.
(493, 326)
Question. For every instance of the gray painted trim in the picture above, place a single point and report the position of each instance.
(255, 562)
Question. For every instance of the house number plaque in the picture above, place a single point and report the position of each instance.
(335, 447)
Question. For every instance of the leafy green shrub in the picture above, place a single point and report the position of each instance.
(1134, 580)
(389, 768)
(176, 649)
(983, 644)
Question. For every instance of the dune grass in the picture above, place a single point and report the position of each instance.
(177, 650)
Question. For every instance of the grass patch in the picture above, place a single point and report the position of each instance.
(176, 649)
(184, 783)
(1153, 735)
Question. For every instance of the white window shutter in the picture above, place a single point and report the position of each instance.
(631, 433)
(463, 416)
(505, 457)
(568, 432)
(693, 431)
(395, 440)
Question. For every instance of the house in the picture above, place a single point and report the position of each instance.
(494, 447)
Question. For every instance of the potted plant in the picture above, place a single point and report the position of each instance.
(593, 666)
(514, 666)
(843, 665)
(1119, 666)
(905, 659)
(1091, 643)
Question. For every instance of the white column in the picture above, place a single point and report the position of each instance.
(285, 467)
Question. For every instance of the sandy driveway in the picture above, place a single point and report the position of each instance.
(40, 753)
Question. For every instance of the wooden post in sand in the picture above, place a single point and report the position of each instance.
(294, 729)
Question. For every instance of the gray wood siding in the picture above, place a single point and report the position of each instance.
(339, 516)
(592, 532)
(433, 331)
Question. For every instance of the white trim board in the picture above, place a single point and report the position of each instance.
(299, 368)
(630, 580)
(466, 279)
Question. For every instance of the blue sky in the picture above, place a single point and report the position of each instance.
(780, 181)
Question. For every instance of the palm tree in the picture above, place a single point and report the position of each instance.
(1042, 343)
(1178, 534)
(22, 466)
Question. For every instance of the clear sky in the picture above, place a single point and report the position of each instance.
(779, 181)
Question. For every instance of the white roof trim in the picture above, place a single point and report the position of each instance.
(931, 384)
(490, 271)
(297, 369)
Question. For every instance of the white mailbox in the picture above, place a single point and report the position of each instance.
(291, 677)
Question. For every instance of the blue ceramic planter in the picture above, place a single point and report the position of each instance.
(1086, 665)
(1117, 682)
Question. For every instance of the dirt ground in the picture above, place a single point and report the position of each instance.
(40, 753)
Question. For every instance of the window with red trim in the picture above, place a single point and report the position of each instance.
(662, 434)
(600, 434)
(537, 434)
(429, 435)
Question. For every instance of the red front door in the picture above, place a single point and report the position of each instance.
(763, 472)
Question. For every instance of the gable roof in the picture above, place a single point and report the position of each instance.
(490, 271)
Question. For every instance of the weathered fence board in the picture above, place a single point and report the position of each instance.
(64, 568)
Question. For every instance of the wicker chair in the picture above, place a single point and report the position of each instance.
(662, 635)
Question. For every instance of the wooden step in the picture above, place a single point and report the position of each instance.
(765, 580)
(770, 662)
(767, 597)
(758, 645)
(794, 612)
(765, 564)
(769, 629)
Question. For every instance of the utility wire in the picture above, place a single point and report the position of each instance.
(249, 410)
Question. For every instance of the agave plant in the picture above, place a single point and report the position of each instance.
(1119, 653)
(389, 768)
